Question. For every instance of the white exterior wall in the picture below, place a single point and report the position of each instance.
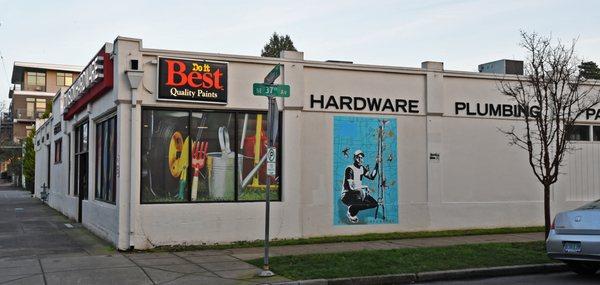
(479, 181)
(317, 148)
(487, 183)
(98, 216)
(153, 224)
(60, 197)
(40, 145)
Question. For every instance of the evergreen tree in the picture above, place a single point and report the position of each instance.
(48, 110)
(589, 70)
(29, 161)
(276, 45)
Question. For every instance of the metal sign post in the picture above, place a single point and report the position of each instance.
(270, 90)
(271, 124)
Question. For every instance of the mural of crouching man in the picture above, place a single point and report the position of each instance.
(355, 195)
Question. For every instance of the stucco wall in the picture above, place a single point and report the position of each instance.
(195, 223)
(100, 217)
(41, 144)
(478, 180)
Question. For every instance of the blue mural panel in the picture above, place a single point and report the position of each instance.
(365, 171)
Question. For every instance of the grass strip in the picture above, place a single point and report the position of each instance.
(350, 238)
(409, 260)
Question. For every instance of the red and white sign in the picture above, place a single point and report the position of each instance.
(94, 81)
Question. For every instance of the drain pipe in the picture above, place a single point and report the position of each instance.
(134, 77)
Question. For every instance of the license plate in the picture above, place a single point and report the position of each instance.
(572, 246)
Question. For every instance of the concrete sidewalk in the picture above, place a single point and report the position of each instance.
(252, 253)
(29, 228)
(37, 247)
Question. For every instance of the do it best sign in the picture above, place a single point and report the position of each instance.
(192, 80)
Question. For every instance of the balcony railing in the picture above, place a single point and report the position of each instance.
(27, 114)
(12, 89)
(15, 87)
(34, 88)
(26, 87)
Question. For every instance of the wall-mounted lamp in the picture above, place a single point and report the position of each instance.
(134, 77)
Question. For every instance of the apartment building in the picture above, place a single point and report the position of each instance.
(34, 87)
(5, 136)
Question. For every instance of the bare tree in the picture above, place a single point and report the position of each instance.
(557, 95)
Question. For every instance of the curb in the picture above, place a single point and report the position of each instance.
(436, 275)
(491, 272)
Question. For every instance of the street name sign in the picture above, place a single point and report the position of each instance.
(271, 90)
(273, 74)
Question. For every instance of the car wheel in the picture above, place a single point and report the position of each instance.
(583, 268)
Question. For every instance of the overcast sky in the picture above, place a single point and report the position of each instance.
(462, 34)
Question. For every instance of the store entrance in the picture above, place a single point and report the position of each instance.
(81, 166)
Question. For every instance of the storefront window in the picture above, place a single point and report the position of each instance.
(213, 156)
(106, 159)
(252, 131)
(214, 162)
(165, 156)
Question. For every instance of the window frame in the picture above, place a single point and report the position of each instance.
(78, 151)
(28, 129)
(30, 107)
(69, 142)
(590, 135)
(58, 151)
(37, 75)
(61, 79)
(236, 112)
(594, 128)
(100, 125)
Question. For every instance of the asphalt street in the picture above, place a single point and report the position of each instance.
(542, 279)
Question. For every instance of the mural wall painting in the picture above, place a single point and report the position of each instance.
(365, 171)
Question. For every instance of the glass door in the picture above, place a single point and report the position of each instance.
(81, 165)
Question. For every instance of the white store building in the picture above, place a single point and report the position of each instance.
(178, 157)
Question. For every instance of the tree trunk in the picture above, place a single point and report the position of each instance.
(547, 218)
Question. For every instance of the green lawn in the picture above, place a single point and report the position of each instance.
(410, 260)
(353, 238)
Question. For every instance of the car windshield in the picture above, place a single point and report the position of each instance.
(590, 206)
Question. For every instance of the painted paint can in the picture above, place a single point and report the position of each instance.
(221, 175)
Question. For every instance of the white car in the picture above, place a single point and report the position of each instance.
(575, 238)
